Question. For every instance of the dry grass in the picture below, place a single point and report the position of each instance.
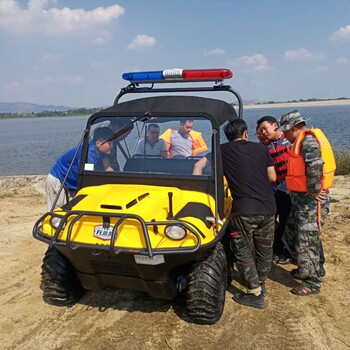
(342, 159)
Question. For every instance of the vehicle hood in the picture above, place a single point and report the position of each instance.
(149, 202)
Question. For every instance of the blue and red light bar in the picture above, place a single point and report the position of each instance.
(178, 75)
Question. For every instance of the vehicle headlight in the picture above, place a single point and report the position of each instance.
(175, 232)
(55, 221)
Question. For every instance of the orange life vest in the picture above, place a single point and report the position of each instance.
(198, 143)
(296, 177)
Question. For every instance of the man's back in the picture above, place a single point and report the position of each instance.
(245, 167)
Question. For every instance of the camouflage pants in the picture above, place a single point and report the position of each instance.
(302, 236)
(251, 242)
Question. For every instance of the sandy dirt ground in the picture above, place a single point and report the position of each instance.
(117, 319)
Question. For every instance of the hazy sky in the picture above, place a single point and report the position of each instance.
(73, 52)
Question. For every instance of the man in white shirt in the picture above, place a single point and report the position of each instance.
(152, 145)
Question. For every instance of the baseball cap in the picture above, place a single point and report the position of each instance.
(291, 119)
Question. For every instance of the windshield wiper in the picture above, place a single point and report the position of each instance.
(128, 127)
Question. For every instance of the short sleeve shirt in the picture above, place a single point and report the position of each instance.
(180, 145)
(151, 150)
(245, 166)
(62, 164)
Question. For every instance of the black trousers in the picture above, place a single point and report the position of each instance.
(283, 204)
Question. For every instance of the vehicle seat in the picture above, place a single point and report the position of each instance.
(164, 166)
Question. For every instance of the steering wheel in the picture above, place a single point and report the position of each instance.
(194, 157)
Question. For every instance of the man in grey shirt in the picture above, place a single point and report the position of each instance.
(152, 145)
(184, 142)
(181, 141)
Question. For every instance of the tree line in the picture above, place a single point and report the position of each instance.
(69, 113)
(89, 111)
(306, 100)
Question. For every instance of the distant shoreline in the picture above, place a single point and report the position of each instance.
(299, 104)
(86, 112)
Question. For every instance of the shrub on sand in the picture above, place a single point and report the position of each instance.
(342, 159)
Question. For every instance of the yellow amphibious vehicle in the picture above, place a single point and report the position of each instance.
(148, 224)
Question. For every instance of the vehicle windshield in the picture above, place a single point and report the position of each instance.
(159, 145)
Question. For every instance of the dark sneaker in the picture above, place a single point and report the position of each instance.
(249, 299)
(295, 274)
(263, 289)
(284, 261)
(275, 257)
(322, 271)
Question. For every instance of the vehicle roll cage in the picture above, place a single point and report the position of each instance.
(134, 88)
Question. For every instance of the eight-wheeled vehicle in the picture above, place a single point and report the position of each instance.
(148, 225)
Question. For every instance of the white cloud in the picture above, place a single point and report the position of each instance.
(51, 59)
(103, 38)
(8, 6)
(341, 34)
(142, 40)
(319, 69)
(303, 54)
(45, 81)
(55, 22)
(257, 62)
(342, 60)
(38, 5)
(215, 52)
(45, 89)
(99, 65)
(62, 80)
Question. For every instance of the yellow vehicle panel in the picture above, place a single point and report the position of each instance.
(151, 203)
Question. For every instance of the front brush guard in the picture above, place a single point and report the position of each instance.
(149, 251)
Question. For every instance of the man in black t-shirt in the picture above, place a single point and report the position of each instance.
(249, 171)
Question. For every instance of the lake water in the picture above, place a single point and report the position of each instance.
(30, 146)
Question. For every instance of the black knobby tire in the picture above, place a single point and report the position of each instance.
(59, 281)
(226, 243)
(207, 286)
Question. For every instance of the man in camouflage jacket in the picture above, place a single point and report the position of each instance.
(303, 228)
